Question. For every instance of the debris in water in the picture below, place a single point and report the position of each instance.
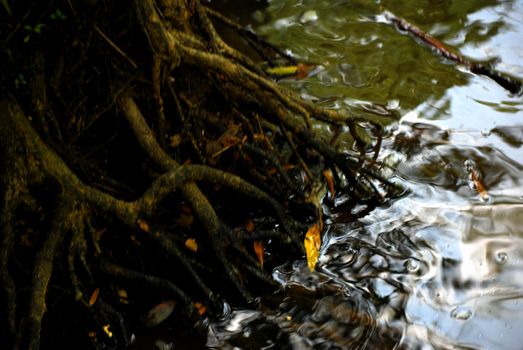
(476, 180)
(309, 16)
(501, 258)
(462, 313)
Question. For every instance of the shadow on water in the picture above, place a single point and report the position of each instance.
(442, 267)
(438, 268)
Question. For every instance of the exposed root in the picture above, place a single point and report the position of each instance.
(205, 132)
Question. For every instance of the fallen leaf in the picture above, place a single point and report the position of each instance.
(300, 71)
(123, 296)
(191, 244)
(184, 220)
(200, 307)
(282, 71)
(176, 140)
(94, 297)
(327, 173)
(312, 245)
(249, 225)
(304, 70)
(475, 177)
(107, 331)
(159, 313)
(135, 240)
(286, 167)
(143, 225)
(259, 250)
(228, 140)
(478, 184)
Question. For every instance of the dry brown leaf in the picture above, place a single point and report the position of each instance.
(200, 307)
(259, 250)
(478, 184)
(159, 313)
(124, 299)
(249, 225)
(134, 240)
(94, 297)
(184, 220)
(175, 140)
(143, 225)
(327, 173)
(191, 244)
(312, 245)
(303, 70)
(228, 140)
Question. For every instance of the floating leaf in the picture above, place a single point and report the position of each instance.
(159, 313)
(478, 184)
(304, 70)
(107, 331)
(282, 71)
(312, 245)
(200, 307)
(191, 244)
(300, 71)
(259, 250)
(475, 178)
(94, 297)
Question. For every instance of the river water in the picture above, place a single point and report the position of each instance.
(442, 266)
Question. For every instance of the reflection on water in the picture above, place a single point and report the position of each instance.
(439, 268)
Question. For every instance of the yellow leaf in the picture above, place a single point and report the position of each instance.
(282, 71)
(107, 331)
(94, 297)
(312, 245)
(258, 249)
(300, 71)
(191, 244)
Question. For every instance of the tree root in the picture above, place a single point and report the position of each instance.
(239, 135)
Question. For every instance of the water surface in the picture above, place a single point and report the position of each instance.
(440, 268)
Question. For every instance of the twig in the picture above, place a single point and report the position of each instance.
(510, 83)
(114, 46)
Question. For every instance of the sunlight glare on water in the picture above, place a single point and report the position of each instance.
(439, 268)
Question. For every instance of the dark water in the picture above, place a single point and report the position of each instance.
(442, 267)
